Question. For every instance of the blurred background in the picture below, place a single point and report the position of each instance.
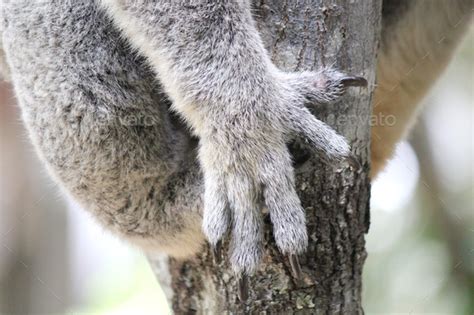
(54, 259)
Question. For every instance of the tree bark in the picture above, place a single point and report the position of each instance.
(307, 35)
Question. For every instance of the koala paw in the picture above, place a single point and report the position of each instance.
(247, 165)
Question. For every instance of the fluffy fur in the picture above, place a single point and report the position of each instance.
(98, 114)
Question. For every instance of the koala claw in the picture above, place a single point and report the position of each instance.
(295, 266)
(217, 252)
(353, 162)
(243, 292)
(354, 81)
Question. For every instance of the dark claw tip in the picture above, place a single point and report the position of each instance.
(354, 81)
(243, 291)
(217, 252)
(295, 266)
(353, 162)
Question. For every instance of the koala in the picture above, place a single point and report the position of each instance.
(169, 123)
(78, 83)
(419, 38)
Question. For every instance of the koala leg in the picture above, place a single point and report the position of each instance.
(418, 40)
(100, 122)
(212, 63)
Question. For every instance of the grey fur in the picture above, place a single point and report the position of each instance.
(100, 122)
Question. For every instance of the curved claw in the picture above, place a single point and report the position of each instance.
(353, 162)
(243, 291)
(217, 252)
(295, 266)
(354, 81)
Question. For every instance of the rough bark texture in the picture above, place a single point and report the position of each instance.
(307, 35)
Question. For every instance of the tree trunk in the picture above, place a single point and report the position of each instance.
(307, 35)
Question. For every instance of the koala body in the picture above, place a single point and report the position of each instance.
(128, 172)
(418, 40)
(96, 81)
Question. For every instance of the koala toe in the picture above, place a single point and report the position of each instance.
(246, 249)
(286, 213)
(216, 216)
